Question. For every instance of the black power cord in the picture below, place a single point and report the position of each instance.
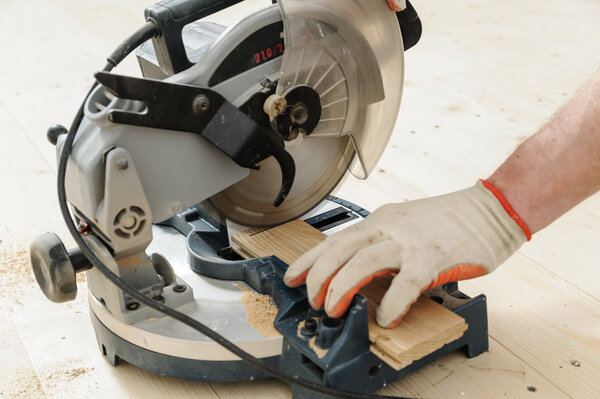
(146, 32)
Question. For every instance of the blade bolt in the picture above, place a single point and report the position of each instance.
(299, 114)
(179, 288)
(201, 104)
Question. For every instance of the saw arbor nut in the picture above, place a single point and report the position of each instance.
(302, 113)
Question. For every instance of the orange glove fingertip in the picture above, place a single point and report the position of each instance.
(296, 282)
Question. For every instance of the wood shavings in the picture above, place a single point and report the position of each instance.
(260, 312)
(59, 377)
(15, 266)
(318, 351)
(25, 385)
(312, 342)
(15, 274)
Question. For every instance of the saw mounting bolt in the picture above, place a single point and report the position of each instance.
(179, 288)
(122, 164)
(156, 292)
(201, 104)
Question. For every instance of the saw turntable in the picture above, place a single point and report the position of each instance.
(254, 124)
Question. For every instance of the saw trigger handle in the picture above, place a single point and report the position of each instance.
(170, 17)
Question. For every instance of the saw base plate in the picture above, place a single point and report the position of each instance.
(348, 364)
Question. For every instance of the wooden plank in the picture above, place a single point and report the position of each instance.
(287, 241)
(427, 327)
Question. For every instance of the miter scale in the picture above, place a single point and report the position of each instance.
(249, 125)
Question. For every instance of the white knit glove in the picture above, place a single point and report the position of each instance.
(428, 242)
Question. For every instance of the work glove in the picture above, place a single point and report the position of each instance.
(397, 5)
(428, 242)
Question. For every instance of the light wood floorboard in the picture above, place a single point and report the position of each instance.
(484, 77)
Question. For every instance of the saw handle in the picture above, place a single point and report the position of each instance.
(170, 17)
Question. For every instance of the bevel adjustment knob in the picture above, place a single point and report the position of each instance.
(55, 268)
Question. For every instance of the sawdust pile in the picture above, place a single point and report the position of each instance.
(15, 274)
(318, 351)
(24, 384)
(260, 312)
(15, 266)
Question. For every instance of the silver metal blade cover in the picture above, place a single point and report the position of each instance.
(350, 53)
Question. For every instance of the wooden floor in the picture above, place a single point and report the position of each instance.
(485, 75)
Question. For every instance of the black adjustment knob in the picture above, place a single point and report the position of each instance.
(54, 131)
(55, 268)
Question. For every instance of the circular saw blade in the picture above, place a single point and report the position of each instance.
(345, 51)
(321, 160)
(320, 165)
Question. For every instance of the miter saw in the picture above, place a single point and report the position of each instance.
(249, 125)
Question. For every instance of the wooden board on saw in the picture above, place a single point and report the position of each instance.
(427, 326)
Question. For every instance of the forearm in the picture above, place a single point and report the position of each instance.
(559, 166)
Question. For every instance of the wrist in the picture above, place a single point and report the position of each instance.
(507, 207)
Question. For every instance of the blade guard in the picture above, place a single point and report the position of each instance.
(359, 41)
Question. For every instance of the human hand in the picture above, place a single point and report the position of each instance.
(427, 242)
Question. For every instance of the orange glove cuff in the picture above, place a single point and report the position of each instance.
(507, 207)
(393, 6)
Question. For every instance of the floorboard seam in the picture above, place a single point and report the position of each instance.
(587, 294)
(531, 366)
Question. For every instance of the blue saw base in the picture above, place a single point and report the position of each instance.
(348, 363)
